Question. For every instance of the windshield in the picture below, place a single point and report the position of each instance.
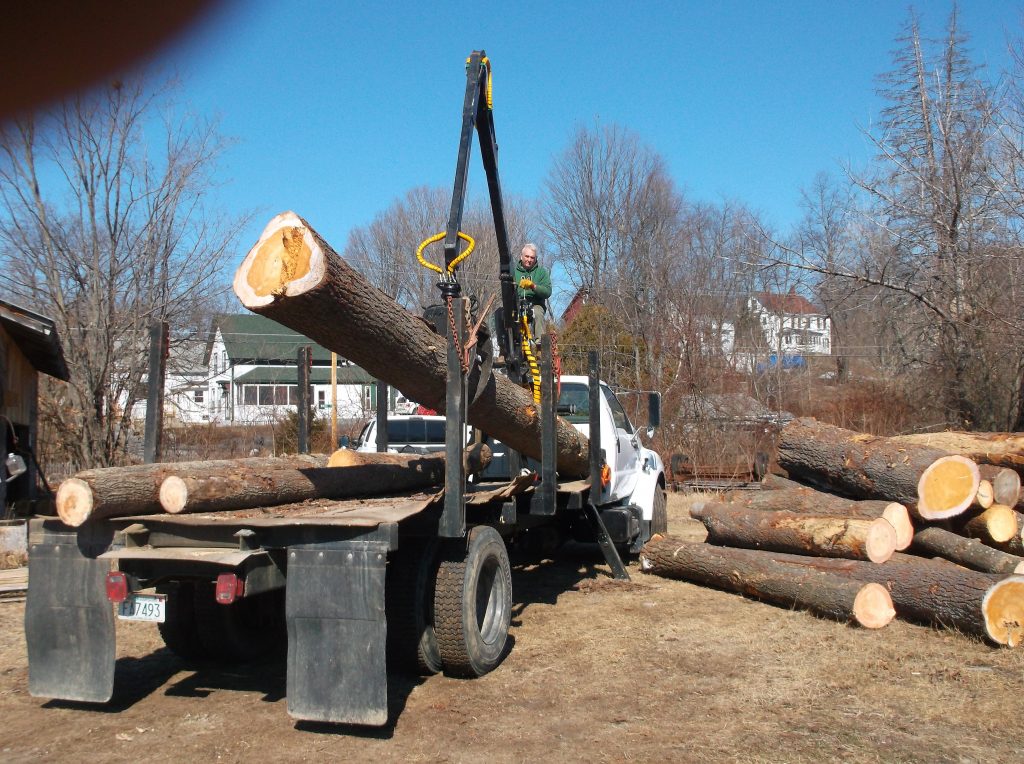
(574, 403)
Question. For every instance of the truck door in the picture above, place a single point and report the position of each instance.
(626, 463)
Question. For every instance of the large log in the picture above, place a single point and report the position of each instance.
(755, 574)
(995, 525)
(294, 277)
(123, 491)
(938, 592)
(1003, 449)
(1016, 544)
(928, 481)
(970, 553)
(244, 487)
(852, 538)
(808, 500)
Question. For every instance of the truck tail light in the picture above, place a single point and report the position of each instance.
(117, 587)
(229, 588)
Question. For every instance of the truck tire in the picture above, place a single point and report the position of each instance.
(409, 602)
(179, 630)
(473, 603)
(243, 631)
(659, 515)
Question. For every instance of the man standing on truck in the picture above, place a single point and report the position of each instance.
(533, 285)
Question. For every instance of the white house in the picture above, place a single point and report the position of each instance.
(791, 324)
(251, 374)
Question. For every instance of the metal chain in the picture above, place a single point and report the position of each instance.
(463, 360)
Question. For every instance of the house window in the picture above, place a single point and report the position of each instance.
(321, 398)
(249, 395)
(198, 396)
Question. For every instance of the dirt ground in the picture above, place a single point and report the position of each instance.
(600, 671)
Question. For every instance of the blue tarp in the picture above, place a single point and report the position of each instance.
(787, 362)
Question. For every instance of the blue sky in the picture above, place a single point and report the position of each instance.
(337, 109)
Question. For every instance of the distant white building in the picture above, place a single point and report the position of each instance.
(791, 324)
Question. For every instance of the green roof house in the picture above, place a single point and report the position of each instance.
(253, 373)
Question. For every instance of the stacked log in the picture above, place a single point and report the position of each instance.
(230, 484)
(793, 497)
(1001, 449)
(849, 497)
(829, 536)
(932, 483)
(756, 574)
(135, 490)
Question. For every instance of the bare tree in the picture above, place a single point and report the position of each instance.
(612, 213)
(933, 229)
(104, 225)
(385, 250)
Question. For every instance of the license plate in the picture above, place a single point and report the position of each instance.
(143, 607)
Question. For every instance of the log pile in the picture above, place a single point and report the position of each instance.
(938, 532)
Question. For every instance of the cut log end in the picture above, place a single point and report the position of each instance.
(985, 497)
(74, 502)
(1003, 609)
(872, 607)
(880, 543)
(1005, 484)
(285, 261)
(173, 494)
(947, 487)
(996, 524)
(899, 519)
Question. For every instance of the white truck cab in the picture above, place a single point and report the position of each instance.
(636, 472)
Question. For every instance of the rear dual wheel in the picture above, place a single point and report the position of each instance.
(473, 603)
(409, 602)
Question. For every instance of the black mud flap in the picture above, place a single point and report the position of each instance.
(337, 633)
(69, 625)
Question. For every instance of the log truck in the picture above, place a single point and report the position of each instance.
(420, 580)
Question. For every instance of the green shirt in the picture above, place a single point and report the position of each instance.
(541, 283)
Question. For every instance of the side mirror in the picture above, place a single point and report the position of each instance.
(15, 466)
(653, 411)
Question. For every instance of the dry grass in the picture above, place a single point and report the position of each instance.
(654, 669)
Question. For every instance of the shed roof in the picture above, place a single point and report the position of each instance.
(36, 337)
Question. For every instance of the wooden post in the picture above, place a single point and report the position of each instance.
(334, 401)
(153, 448)
(305, 354)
